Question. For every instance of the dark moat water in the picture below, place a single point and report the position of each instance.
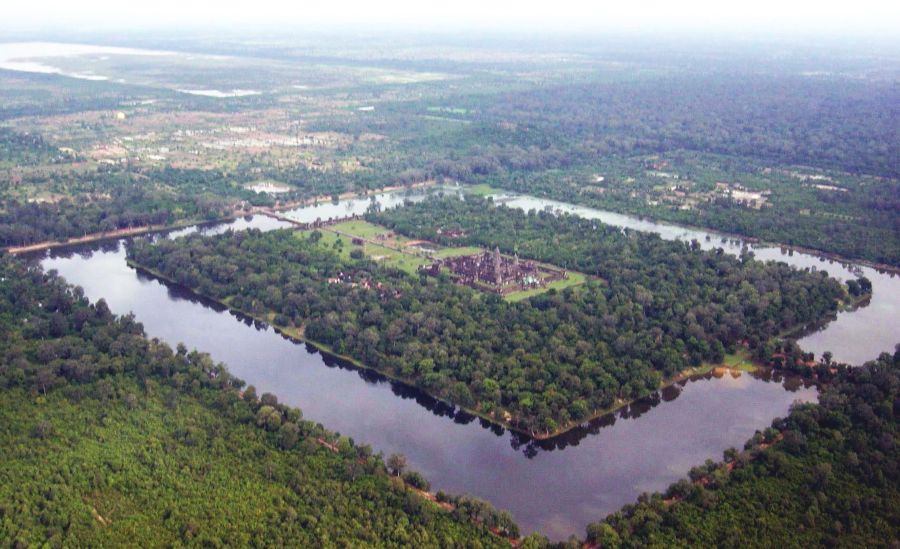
(556, 487)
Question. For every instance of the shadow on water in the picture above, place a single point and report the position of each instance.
(400, 389)
(527, 445)
(618, 455)
(531, 447)
(521, 442)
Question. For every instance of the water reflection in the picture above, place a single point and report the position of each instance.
(521, 442)
(529, 446)
(583, 475)
(324, 211)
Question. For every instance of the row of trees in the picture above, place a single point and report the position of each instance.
(23, 223)
(109, 438)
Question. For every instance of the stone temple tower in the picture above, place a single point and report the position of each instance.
(498, 274)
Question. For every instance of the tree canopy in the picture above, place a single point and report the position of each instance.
(109, 438)
(655, 308)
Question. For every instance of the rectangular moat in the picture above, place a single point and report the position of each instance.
(555, 487)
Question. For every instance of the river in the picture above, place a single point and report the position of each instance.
(556, 487)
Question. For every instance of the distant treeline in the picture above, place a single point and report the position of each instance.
(836, 123)
(23, 223)
(111, 198)
(528, 139)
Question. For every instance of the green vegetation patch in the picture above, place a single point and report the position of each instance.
(343, 245)
(442, 253)
(741, 359)
(572, 279)
(358, 227)
(482, 189)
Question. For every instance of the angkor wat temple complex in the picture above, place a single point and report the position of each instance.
(494, 272)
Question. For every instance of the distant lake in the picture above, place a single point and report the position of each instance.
(27, 56)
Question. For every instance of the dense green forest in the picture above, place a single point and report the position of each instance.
(108, 438)
(785, 120)
(111, 438)
(643, 266)
(23, 223)
(539, 365)
(119, 197)
(107, 199)
(532, 138)
(643, 270)
(104, 414)
(827, 475)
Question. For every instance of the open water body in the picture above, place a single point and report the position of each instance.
(556, 487)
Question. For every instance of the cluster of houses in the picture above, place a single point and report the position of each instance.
(743, 196)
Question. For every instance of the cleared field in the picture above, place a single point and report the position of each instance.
(343, 245)
(445, 119)
(450, 110)
(482, 189)
(405, 262)
(740, 360)
(572, 279)
(444, 253)
(360, 228)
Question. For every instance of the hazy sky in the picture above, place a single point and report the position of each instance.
(826, 16)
